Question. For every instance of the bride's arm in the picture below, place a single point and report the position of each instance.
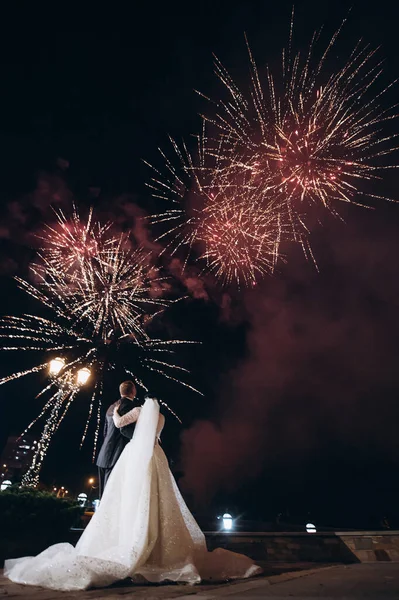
(126, 419)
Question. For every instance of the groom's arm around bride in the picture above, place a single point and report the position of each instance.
(126, 406)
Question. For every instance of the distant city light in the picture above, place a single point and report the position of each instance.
(227, 522)
(310, 528)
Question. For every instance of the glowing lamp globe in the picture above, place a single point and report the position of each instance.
(310, 528)
(82, 499)
(56, 365)
(83, 375)
(227, 522)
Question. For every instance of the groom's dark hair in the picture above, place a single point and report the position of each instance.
(127, 388)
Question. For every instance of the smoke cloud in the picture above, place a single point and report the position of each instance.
(321, 359)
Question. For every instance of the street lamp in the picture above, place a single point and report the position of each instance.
(83, 375)
(56, 364)
(91, 481)
(68, 382)
(310, 528)
(82, 499)
(227, 522)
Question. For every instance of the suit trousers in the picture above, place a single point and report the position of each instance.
(103, 474)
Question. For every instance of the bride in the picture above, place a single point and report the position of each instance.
(142, 527)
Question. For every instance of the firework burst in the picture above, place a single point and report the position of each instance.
(233, 229)
(240, 240)
(70, 243)
(113, 290)
(303, 135)
(99, 306)
(307, 135)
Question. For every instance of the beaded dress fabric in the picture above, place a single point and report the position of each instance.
(141, 528)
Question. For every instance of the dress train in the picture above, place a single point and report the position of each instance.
(142, 527)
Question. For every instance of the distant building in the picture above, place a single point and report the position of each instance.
(16, 457)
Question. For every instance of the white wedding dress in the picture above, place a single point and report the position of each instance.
(142, 528)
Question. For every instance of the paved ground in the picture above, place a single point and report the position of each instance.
(374, 581)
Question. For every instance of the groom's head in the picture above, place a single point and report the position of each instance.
(127, 389)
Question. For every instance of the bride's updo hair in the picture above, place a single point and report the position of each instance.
(127, 388)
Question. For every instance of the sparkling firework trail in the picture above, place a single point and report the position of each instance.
(109, 285)
(307, 135)
(71, 242)
(63, 396)
(303, 135)
(99, 305)
(234, 230)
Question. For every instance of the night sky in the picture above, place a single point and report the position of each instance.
(300, 375)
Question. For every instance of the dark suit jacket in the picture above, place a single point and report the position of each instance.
(114, 439)
(124, 407)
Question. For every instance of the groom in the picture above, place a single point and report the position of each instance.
(115, 439)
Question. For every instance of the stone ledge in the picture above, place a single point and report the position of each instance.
(390, 532)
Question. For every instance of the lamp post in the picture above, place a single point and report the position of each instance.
(68, 386)
(91, 481)
(82, 499)
(227, 522)
(5, 484)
